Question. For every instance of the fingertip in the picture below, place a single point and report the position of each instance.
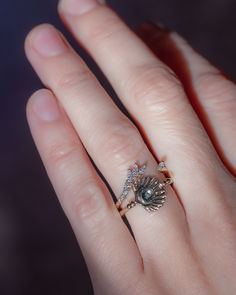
(33, 32)
(43, 105)
(45, 40)
(38, 92)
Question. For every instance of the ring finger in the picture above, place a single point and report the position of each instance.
(156, 99)
(85, 199)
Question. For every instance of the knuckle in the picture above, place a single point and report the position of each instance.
(219, 92)
(123, 143)
(89, 204)
(155, 88)
(62, 153)
(76, 80)
(107, 25)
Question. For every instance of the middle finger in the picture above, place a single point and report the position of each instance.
(156, 99)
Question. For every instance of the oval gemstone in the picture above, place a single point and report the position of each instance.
(147, 194)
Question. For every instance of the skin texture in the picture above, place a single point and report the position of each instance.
(185, 113)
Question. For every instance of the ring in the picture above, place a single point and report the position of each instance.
(148, 191)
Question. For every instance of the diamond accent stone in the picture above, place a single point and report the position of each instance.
(161, 166)
(131, 177)
(142, 170)
(135, 170)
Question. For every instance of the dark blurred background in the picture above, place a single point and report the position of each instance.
(38, 251)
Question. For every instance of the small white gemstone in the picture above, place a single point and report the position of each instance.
(130, 176)
(142, 169)
(125, 192)
(122, 197)
(135, 170)
(127, 184)
(161, 166)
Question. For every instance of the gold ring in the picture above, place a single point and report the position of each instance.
(148, 190)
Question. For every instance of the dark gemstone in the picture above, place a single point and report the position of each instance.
(147, 194)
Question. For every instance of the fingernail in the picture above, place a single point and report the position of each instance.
(45, 106)
(47, 41)
(77, 7)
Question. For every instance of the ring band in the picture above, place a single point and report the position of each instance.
(148, 190)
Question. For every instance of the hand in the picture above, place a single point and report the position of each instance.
(185, 110)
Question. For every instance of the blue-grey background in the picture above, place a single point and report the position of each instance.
(38, 252)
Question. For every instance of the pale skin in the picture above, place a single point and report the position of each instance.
(187, 118)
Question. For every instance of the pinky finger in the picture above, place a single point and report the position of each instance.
(105, 241)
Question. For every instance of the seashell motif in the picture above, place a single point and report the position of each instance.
(149, 192)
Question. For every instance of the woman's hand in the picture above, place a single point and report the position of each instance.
(188, 119)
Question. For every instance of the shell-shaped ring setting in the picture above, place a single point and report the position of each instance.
(149, 192)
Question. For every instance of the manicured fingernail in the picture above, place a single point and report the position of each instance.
(76, 7)
(47, 41)
(45, 106)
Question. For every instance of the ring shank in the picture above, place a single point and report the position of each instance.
(120, 210)
(124, 211)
